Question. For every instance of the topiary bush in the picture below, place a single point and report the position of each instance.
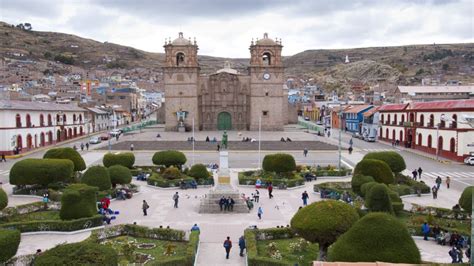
(67, 153)
(126, 159)
(377, 169)
(397, 203)
(82, 253)
(199, 171)
(169, 158)
(3, 199)
(119, 174)
(376, 237)
(323, 222)
(358, 180)
(97, 176)
(465, 201)
(171, 173)
(41, 171)
(394, 160)
(9, 242)
(78, 201)
(279, 163)
(378, 200)
(366, 187)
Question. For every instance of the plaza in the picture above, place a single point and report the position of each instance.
(277, 211)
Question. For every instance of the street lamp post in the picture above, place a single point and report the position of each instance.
(340, 138)
(259, 140)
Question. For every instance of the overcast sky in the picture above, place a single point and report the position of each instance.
(226, 27)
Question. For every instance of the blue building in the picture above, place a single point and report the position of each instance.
(354, 116)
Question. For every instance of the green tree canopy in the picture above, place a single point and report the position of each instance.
(394, 160)
(41, 171)
(67, 153)
(279, 163)
(169, 158)
(97, 176)
(377, 169)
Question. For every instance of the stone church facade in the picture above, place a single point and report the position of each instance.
(226, 100)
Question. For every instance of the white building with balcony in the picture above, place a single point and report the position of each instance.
(28, 125)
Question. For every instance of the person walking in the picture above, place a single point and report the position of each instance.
(227, 246)
(419, 172)
(434, 190)
(270, 190)
(3, 158)
(222, 203)
(82, 146)
(87, 146)
(438, 182)
(242, 245)
(131, 147)
(260, 212)
(176, 199)
(256, 196)
(350, 150)
(218, 147)
(305, 197)
(414, 173)
(425, 229)
(453, 253)
(305, 152)
(448, 181)
(145, 207)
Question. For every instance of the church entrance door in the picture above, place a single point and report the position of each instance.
(224, 121)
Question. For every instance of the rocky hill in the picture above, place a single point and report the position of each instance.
(402, 64)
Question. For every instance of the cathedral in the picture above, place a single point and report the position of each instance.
(227, 99)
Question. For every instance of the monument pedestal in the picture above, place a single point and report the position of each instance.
(210, 204)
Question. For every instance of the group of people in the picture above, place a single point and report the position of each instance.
(285, 140)
(82, 146)
(247, 139)
(124, 193)
(185, 185)
(228, 246)
(226, 204)
(105, 210)
(2, 158)
(444, 237)
(214, 139)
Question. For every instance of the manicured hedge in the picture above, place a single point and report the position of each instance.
(377, 199)
(465, 201)
(366, 187)
(358, 180)
(397, 203)
(67, 153)
(78, 201)
(97, 176)
(41, 171)
(3, 199)
(297, 180)
(394, 160)
(119, 174)
(82, 253)
(377, 169)
(169, 158)
(171, 173)
(56, 225)
(158, 181)
(279, 163)
(9, 242)
(376, 237)
(199, 171)
(126, 159)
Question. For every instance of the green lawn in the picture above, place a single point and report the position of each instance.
(33, 216)
(158, 252)
(289, 256)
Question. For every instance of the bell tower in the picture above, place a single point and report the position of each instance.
(266, 82)
(181, 77)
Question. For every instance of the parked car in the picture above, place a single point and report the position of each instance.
(115, 132)
(306, 118)
(95, 140)
(104, 136)
(469, 160)
(319, 123)
(357, 135)
(369, 138)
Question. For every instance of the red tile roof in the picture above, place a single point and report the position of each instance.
(393, 107)
(357, 108)
(371, 111)
(443, 105)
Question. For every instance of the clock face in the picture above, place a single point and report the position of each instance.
(266, 76)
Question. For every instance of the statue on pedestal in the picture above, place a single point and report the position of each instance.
(224, 140)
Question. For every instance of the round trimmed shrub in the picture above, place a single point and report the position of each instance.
(377, 169)
(323, 222)
(78, 201)
(279, 163)
(465, 201)
(376, 237)
(378, 200)
(199, 171)
(120, 174)
(41, 171)
(9, 242)
(126, 159)
(3, 199)
(82, 253)
(394, 160)
(67, 153)
(366, 187)
(171, 173)
(169, 158)
(358, 180)
(97, 176)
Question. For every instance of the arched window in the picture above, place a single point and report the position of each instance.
(74, 118)
(388, 119)
(422, 120)
(28, 120)
(430, 140)
(64, 119)
(440, 143)
(69, 133)
(267, 59)
(412, 117)
(380, 133)
(382, 119)
(80, 118)
(179, 59)
(29, 141)
(50, 121)
(395, 118)
(386, 134)
(442, 123)
(454, 124)
(42, 140)
(41, 120)
(19, 141)
(420, 139)
(50, 137)
(18, 120)
(452, 145)
(57, 119)
(403, 118)
(401, 135)
(431, 124)
(393, 134)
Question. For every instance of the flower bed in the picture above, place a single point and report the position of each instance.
(336, 188)
(406, 185)
(414, 221)
(55, 225)
(158, 181)
(271, 247)
(329, 170)
(285, 181)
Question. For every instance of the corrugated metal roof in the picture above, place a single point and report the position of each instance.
(357, 109)
(371, 111)
(442, 105)
(97, 110)
(393, 107)
(40, 106)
